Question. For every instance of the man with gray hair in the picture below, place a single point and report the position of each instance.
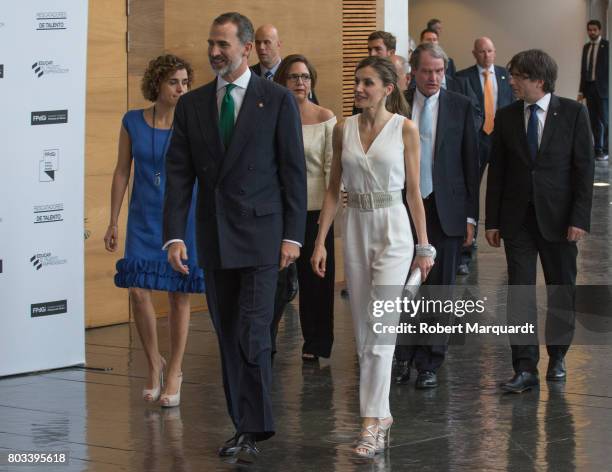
(449, 190)
(240, 136)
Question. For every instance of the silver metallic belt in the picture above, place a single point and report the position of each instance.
(374, 200)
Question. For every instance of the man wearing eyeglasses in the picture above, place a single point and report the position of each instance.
(539, 191)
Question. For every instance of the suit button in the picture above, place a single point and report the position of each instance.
(242, 191)
(243, 212)
(251, 167)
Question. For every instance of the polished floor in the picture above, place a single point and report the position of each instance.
(463, 425)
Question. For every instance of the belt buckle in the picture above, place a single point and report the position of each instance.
(366, 201)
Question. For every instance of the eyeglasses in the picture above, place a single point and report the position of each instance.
(296, 77)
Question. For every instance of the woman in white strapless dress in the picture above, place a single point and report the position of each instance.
(376, 156)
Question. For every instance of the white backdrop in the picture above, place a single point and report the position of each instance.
(43, 47)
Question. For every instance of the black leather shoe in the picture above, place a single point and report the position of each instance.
(426, 379)
(247, 451)
(463, 269)
(402, 373)
(521, 382)
(230, 447)
(556, 370)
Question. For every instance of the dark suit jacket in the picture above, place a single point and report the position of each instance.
(252, 195)
(450, 67)
(257, 70)
(559, 181)
(504, 91)
(601, 68)
(455, 169)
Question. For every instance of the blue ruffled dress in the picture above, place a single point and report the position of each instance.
(145, 264)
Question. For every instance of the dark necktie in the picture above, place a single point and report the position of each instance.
(591, 60)
(226, 118)
(269, 75)
(532, 130)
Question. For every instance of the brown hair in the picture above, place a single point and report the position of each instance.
(280, 77)
(396, 102)
(388, 39)
(158, 70)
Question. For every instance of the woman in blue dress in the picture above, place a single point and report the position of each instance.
(144, 139)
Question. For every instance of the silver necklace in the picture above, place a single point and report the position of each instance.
(158, 162)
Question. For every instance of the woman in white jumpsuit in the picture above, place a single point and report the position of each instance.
(376, 155)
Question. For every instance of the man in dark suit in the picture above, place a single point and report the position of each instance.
(539, 191)
(594, 86)
(449, 186)
(492, 86)
(240, 136)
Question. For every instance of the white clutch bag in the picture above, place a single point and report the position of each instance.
(412, 285)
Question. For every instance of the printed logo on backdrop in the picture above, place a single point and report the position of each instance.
(48, 308)
(51, 20)
(45, 67)
(51, 117)
(45, 259)
(52, 213)
(48, 165)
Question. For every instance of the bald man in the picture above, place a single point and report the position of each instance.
(497, 81)
(267, 46)
(403, 71)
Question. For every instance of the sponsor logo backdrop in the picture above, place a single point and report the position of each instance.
(41, 198)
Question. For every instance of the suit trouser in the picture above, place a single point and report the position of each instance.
(598, 113)
(316, 293)
(559, 267)
(429, 356)
(484, 150)
(378, 250)
(241, 303)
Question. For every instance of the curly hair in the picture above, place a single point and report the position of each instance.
(158, 70)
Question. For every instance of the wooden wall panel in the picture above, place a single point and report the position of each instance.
(312, 28)
(106, 104)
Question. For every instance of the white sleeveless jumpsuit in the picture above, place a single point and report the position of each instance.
(378, 249)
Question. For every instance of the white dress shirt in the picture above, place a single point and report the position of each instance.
(417, 106)
(543, 104)
(237, 92)
(493, 79)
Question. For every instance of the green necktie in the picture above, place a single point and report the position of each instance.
(226, 120)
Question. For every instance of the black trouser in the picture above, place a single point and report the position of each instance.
(559, 267)
(598, 113)
(241, 302)
(429, 356)
(316, 294)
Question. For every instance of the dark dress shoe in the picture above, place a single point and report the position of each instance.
(230, 447)
(426, 379)
(402, 373)
(521, 382)
(247, 451)
(556, 370)
(463, 269)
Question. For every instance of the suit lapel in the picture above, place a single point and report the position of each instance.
(476, 86)
(502, 82)
(552, 117)
(443, 114)
(246, 123)
(208, 119)
(519, 118)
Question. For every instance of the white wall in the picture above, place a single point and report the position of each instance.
(396, 22)
(556, 26)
